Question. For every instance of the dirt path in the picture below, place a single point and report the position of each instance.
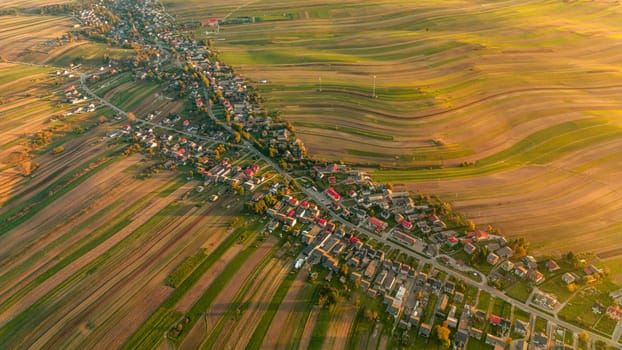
(277, 335)
(308, 331)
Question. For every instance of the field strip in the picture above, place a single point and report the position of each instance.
(78, 215)
(285, 328)
(259, 306)
(119, 321)
(219, 304)
(305, 339)
(253, 287)
(69, 245)
(339, 327)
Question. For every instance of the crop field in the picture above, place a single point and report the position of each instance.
(29, 4)
(21, 35)
(30, 97)
(509, 110)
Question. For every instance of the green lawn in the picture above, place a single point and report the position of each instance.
(519, 291)
(484, 301)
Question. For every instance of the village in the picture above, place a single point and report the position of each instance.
(436, 275)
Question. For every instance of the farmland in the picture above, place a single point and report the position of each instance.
(507, 110)
(22, 35)
(132, 216)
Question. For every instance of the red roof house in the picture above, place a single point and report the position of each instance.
(333, 194)
(407, 225)
(377, 224)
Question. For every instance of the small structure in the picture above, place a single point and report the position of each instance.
(492, 258)
(540, 340)
(470, 248)
(551, 265)
(568, 278)
(425, 330)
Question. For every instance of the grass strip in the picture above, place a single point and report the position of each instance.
(321, 327)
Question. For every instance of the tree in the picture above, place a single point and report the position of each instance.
(471, 225)
(343, 270)
(261, 207)
(583, 340)
(102, 119)
(236, 137)
(57, 150)
(443, 332)
(131, 117)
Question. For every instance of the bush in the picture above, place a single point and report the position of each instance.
(57, 150)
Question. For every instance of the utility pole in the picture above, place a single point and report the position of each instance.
(373, 93)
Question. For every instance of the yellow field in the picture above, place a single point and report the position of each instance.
(20, 35)
(27, 4)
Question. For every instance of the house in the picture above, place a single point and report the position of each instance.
(521, 327)
(443, 304)
(450, 288)
(470, 248)
(404, 238)
(614, 312)
(540, 340)
(520, 271)
(505, 252)
(452, 322)
(495, 320)
(332, 194)
(598, 308)
(535, 276)
(425, 330)
(414, 319)
(530, 262)
(492, 258)
(568, 278)
(496, 342)
(478, 235)
(476, 333)
(546, 300)
(551, 265)
(407, 225)
(377, 224)
(590, 270)
(507, 265)
(458, 297)
(461, 338)
(452, 241)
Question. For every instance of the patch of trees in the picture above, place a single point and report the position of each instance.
(519, 246)
(58, 9)
(328, 295)
(442, 333)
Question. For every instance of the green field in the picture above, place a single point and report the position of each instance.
(477, 102)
